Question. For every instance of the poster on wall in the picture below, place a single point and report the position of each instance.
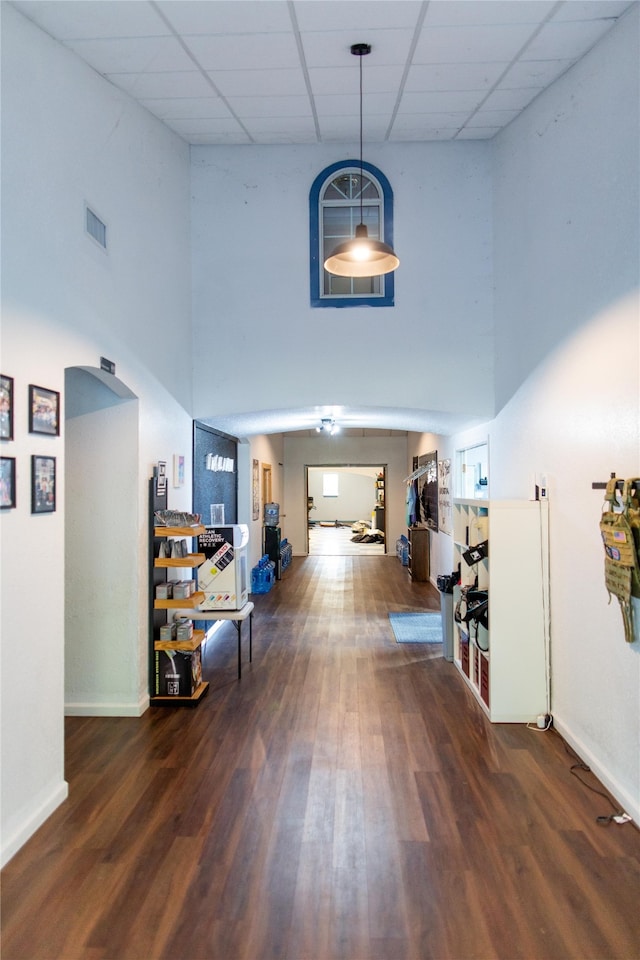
(43, 484)
(428, 489)
(255, 489)
(178, 470)
(444, 496)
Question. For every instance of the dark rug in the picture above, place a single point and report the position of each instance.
(416, 627)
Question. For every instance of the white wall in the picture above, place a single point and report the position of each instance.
(67, 136)
(566, 207)
(301, 452)
(567, 255)
(250, 214)
(267, 450)
(356, 496)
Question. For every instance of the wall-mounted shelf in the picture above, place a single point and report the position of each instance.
(192, 644)
(192, 560)
(187, 603)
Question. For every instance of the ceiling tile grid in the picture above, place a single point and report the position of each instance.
(268, 71)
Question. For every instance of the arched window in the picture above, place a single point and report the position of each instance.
(334, 213)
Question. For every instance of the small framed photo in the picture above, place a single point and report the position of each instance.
(6, 407)
(7, 483)
(43, 484)
(44, 411)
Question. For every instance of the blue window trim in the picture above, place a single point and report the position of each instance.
(315, 267)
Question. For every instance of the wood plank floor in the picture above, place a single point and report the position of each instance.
(346, 800)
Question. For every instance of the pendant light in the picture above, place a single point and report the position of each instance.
(361, 257)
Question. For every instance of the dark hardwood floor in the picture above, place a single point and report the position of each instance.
(346, 799)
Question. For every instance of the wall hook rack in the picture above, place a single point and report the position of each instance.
(619, 485)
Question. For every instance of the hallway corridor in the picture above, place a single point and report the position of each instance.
(346, 800)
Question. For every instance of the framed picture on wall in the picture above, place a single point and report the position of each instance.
(255, 489)
(44, 411)
(7, 483)
(43, 484)
(6, 407)
(444, 496)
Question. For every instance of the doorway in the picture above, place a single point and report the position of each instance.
(105, 656)
(346, 509)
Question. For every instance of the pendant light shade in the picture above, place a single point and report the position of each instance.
(361, 256)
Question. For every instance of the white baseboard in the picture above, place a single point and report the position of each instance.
(628, 803)
(107, 709)
(34, 820)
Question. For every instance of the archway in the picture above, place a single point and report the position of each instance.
(105, 659)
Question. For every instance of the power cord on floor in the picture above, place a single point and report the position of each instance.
(603, 819)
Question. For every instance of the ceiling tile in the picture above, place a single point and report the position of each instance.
(129, 55)
(211, 126)
(354, 15)
(187, 107)
(349, 106)
(423, 133)
(472, 44)
(419, 121)
(250, 83)
(492, 118)
(591, 9)
(218, 139)
(270, 106)
(471, 12)
(534, 73)
(566, 41)
(226, 16)
(516, 99)
(348, 129)
(340, 80)
(389, 47)
(449, 102)
(227, 53)
(454, 76)
(189, 83)
(478, 133)
(86, 19)
(282, 129)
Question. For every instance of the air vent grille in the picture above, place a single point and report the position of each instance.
(96, 228)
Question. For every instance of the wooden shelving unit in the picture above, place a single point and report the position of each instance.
(418, 565)
(158, 609)
(506, 665)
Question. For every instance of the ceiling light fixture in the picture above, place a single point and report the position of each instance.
(329, 426)
(361, 257)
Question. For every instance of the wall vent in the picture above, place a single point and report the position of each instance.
(96, 228)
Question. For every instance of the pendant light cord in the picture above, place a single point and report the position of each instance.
(361, 173)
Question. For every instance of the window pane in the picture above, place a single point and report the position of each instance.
(329, 484)
(338, 222)
(364, 286)
(340, 212)
(337, 286)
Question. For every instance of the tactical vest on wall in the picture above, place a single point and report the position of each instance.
(620, 529)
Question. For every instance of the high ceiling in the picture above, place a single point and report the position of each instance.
(277, 72)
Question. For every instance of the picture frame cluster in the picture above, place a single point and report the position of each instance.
(44, 419)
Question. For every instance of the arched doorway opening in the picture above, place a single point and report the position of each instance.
(105, 656)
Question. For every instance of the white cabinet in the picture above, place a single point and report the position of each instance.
(506, 664)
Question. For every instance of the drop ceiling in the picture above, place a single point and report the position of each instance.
(277, 72)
